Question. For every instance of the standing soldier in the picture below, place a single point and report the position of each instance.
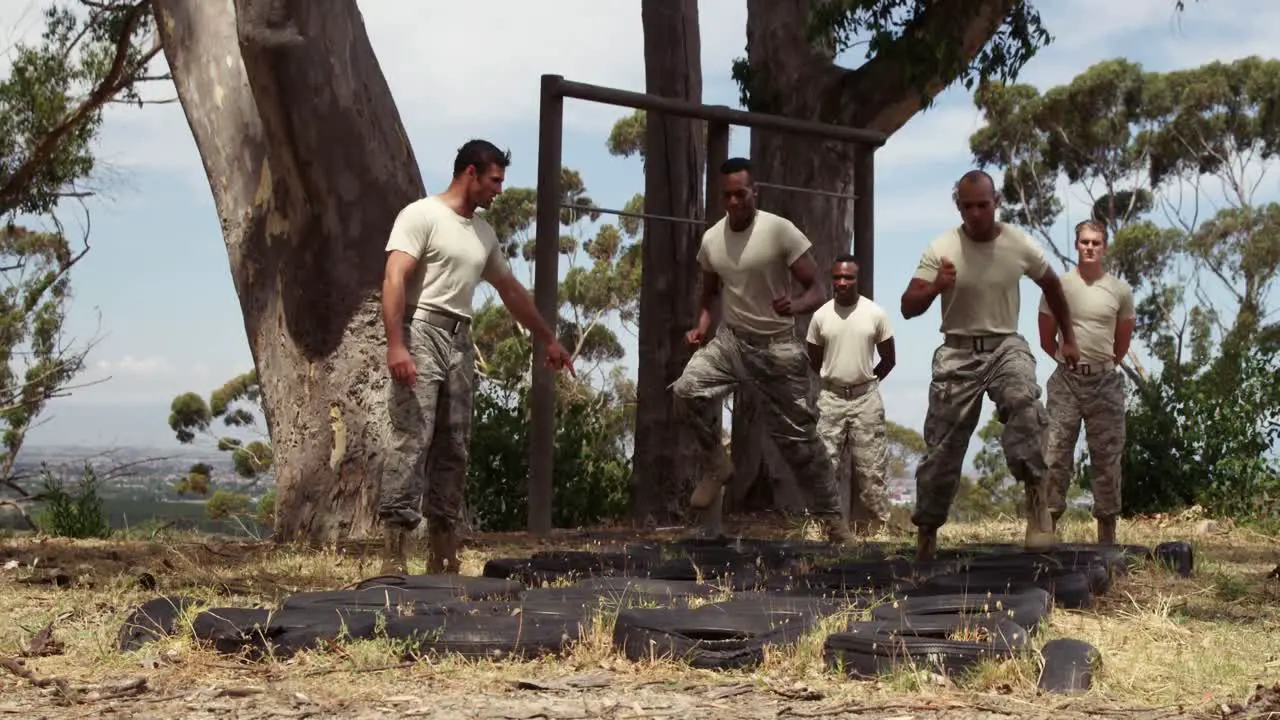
(844, 335)
(749, 260)
(1103, 317)
(976, 268)
(438, 251)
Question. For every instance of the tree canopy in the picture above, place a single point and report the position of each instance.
(51, 103)
(1172, 164)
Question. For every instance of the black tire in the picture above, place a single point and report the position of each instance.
(463, 586)
(516, 608)
(388, 600)
(876, 648)
(1176, 555)
(503, 568)
(484, 636)
(1119, 558)
(736, 575)
(1069, 665)
(1026, 608)
(1070, 588)
(667, 592)
(972, 550)
(1092, 564)
(154, 619)
(869, 579)
(711, 637)
(585, 562)
(258, 633)
(773, 603)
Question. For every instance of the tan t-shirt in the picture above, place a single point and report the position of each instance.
(754, 267)
(986, 296)
(454, 253)
(1095, 308)
(848, 337)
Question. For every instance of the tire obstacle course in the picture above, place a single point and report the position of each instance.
(714, 604)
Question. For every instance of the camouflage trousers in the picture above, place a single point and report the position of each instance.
(851, 422)
(1098, 400)
(962, 373)
(430, 430)
(778, 366)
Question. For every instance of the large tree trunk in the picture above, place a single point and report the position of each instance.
(309, 164)
(666, 461)
(791, 76)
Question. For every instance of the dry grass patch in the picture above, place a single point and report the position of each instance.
(1165, 641)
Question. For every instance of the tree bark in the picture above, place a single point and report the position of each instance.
(791, 76)
(666, 461)
(308, 164)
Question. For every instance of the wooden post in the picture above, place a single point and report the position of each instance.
(864, 203)
(546, 254)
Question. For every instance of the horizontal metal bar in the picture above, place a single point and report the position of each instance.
(586, 209)
(811, 191)
(712, 113)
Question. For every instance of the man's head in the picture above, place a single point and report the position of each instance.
(1091, 241)
(739, 191)
(844, 279)
(976, 199)
(480, 169)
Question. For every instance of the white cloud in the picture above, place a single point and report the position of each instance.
(145, 380)
(148, 366)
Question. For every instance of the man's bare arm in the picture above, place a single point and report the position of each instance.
(888, 358)
(816, 353)
(1048, 334)
(1124, 336)
(917, 298)
(708, 297)
(519, 302)
(400, 265)
(805, 271)
(1051, 284)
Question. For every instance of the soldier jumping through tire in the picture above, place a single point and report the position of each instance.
(750, 259)
(844, 335)
(438, 252)
(976, 269)
(1103, 318)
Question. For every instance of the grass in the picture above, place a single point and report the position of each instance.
(1190, 644)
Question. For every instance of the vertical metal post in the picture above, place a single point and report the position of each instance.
(864, 203)
(545, 293)
(717, 153)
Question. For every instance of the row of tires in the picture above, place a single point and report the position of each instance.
(741, 602)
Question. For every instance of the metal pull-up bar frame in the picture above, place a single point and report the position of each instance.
(547, 235)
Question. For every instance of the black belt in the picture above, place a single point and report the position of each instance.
(976, 343)
(759, 340)
(1088, 368)
(846, 391)
(449, 323)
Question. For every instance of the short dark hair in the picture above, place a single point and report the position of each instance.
(735, 165)
(480, 154)
(845, 257)
(972, 175)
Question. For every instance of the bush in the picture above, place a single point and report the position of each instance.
(73, 515)
(1207, 439)
(592, 468)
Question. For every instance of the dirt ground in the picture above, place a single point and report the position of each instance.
(1203, 647)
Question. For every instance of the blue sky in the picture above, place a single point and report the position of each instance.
(156, 286)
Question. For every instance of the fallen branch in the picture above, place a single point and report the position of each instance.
(77, 694)
(43, 644)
